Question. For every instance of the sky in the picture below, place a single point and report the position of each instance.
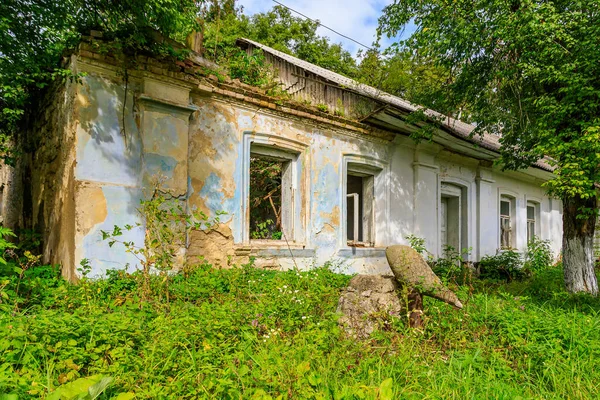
(354, 18)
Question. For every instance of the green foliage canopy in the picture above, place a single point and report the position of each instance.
(277, 28)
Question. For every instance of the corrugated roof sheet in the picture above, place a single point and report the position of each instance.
(458, 128)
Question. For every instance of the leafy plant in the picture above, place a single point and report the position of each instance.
(418, 244)
(265, 230)
(245, 331)
(5, 244)
(451, 264)
(167, 224)
(506, 265)
(539, 255)
(89, 388)
(322, 107)
(339, 109)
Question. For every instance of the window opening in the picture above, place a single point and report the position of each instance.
(359, 209)
(531, 220)
(453, 218)
(505, 224)
(270, 197)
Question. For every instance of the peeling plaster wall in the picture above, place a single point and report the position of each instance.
(407, 197)
(219, 136)
(125, 146)
(100, 147)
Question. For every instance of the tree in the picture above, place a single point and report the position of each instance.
(277, 28)
(35, 35)
(530, 71)
(403, 73)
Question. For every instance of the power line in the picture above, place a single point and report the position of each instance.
(326, 27)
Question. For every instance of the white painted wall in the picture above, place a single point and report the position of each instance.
(407, 189)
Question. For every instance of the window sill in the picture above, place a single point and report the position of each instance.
(351, 243)
(361, 252)
(274, 244)
(274, 248)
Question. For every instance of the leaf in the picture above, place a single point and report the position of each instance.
(87, 388)
(124, 396)
(386, 389)
(303, 368)
(96, 390)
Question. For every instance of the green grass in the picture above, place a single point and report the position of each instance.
(254, 334)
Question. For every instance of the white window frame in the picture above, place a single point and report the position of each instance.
(367, 221)
(289, 150)
(536, 219)
(453, 190)
(355, 164)
(512, 220)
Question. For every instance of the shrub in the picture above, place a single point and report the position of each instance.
(539, 255)
(506, 265)
(417, 243)
(451, 264)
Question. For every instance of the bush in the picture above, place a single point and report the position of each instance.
(506, 265)
(451, 264)
(539, 256)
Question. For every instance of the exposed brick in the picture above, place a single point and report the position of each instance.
(85, 53)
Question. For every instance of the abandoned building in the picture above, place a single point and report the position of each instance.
(340, 175)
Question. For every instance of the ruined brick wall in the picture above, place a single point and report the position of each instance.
(37, 193)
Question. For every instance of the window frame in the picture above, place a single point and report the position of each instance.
(512, 221)
(288, 188)
(364, 202)
(358, 165)
(536, 218)
(275, 146)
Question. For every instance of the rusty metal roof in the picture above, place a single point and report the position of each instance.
(455, 127)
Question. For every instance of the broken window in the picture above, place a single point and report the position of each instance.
(359, 208)
(531, 220)
(270, 195)
(506, 222)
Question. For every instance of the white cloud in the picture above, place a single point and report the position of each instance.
(354, 18)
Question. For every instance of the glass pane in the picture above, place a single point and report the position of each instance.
(504, 207)
(530, 212)
(530, 230)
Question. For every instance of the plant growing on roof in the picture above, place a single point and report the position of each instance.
(528, 71)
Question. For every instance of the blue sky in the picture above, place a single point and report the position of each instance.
(354, 18)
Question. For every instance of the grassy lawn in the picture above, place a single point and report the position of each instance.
(255, 334)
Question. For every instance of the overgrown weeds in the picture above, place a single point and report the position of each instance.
(251, 333)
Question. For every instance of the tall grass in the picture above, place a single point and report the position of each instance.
(249, 333)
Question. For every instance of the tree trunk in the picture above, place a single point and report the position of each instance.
(415, 308)
(578, 245)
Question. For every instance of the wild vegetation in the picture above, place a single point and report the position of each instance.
(252, 333)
